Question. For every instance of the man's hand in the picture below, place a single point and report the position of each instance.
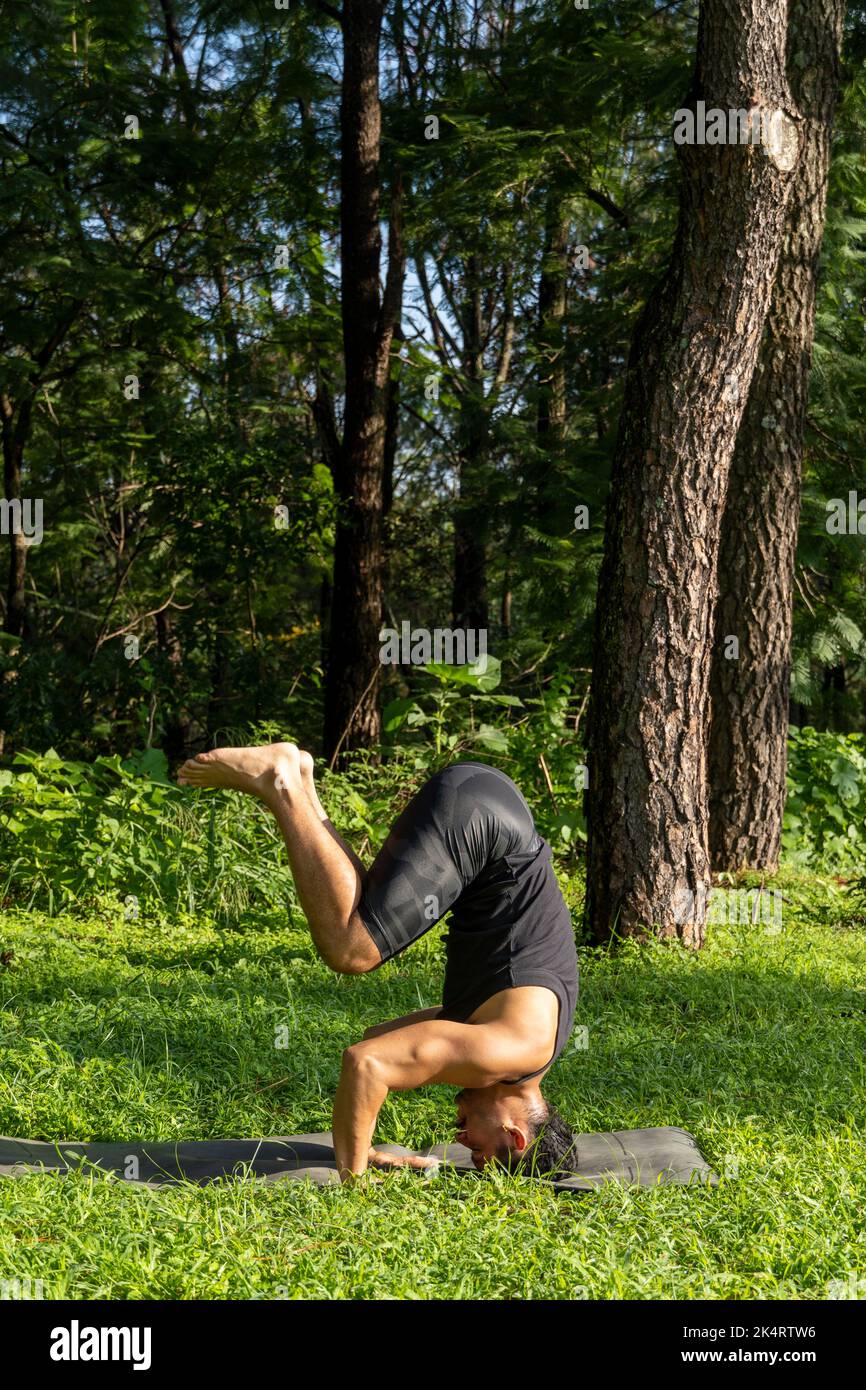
(379, 1160)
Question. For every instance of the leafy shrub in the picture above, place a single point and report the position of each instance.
(450, 715)
(73, 831)
(825, 813)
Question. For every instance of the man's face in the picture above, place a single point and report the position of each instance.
(481, 1125)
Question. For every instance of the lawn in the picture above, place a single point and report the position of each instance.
(154, 1029)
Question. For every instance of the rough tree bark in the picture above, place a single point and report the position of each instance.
(352, 717)
(691, 362)
(749, 695)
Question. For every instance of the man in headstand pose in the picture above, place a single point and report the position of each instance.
(466, 843)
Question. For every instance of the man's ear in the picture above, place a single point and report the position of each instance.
(518, 1137)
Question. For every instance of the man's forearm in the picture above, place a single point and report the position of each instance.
(360, 1096)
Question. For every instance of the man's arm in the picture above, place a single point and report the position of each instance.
(420, 1054)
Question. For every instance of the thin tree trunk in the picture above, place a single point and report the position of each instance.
(648, 854)
(750, 694)
(15, 430)
(397, 257)
(325, 600)
(505, 606)
(833, 687)
(552, 304)
(352, 717)
(219, 707)
(16, 424)
(392, 428)
(469, 601)
(392, 434)
(168, 644)
(219, 701)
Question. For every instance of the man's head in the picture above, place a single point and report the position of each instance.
(515, 1127)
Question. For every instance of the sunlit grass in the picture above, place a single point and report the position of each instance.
(156, 1030)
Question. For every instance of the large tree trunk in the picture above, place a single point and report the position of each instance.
(749, 695)
(648, 855)
(351, 694)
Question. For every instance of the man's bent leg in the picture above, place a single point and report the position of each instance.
(329, 881)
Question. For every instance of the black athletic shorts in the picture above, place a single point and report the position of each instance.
(467, 843)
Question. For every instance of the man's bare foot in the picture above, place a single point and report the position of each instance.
(263, 772)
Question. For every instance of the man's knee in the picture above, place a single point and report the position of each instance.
(351, 965)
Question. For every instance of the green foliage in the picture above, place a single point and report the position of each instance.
(74, 832)
(825, 813)
(531, 736)
(452, 716)
(829, 664)
(157, 257)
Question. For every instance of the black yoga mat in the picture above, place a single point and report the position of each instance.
(643, 1157)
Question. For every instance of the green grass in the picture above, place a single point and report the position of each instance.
(153, 1030)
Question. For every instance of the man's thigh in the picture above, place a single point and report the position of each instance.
(414, 879)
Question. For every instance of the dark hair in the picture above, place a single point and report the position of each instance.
(552, 1147)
